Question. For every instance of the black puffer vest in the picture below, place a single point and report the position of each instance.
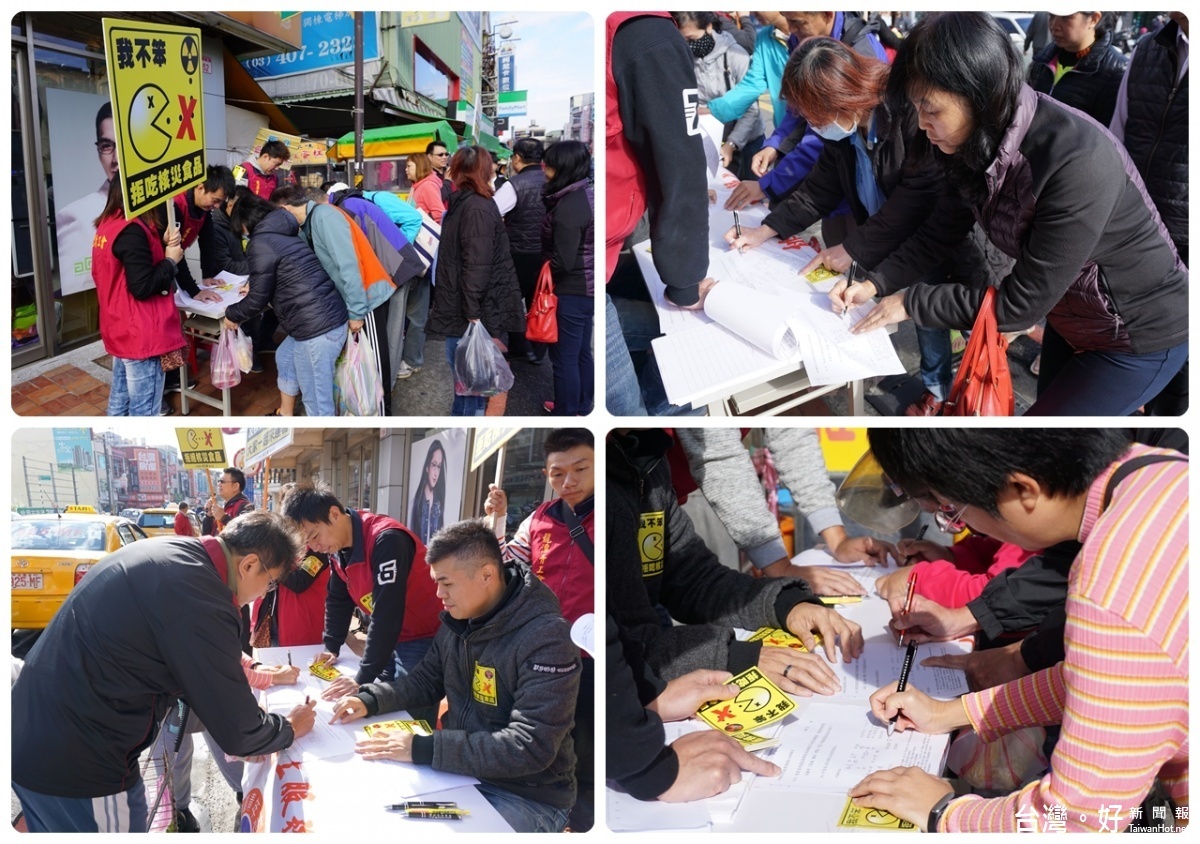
(1091, 87)
(1156, 130)
(524, 222)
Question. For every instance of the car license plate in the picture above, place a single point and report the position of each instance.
(25, 580)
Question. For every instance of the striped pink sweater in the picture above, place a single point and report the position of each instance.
(1121, 693)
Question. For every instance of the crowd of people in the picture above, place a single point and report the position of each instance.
(1064, 552)
(938, 164)
(152, 639)
(336, 266)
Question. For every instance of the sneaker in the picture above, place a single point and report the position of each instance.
(404, 370)
(185, 821)
(256, 366)
(171, 384)
(548, 406)
(533, 359)
(926, 405)
(165, 409)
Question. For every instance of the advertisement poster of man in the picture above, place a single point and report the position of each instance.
(81, 177)
(435, 479)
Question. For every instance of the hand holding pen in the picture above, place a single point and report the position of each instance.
(909, 655)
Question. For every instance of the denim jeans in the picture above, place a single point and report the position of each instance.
(306, 369)
(406, 323)
(137, 387)
(404, 659)
(463, 405)
(121, 812)
(1100, 383)
(522, 814)
(937, 360)
(574, 374)
(622, 393)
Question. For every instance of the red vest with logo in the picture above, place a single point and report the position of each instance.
(560, 563)
(131, 329)
(189, 225)
(626, 181)
(300, 617)
(262, 185)
(421, 604)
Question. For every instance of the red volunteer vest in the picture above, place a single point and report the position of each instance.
(262, 185)
(421, 604)
(300, 617)
(189, 226)
(626, 182)
(561, 564)
(131, 329)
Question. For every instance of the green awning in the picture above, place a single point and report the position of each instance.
(392, 141)
(488, 142)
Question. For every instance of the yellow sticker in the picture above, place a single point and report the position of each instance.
(419, 728)
(325, 672)
(833, 600)
(859, 817)
(484, 685)
(652, 542)
(758, 702)
(821, 273)
(753, 741)
(777, 637)
(368, 602)
(312, 564)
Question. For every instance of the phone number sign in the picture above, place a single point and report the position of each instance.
(327, 40)
(158, 109)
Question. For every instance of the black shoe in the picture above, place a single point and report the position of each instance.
(185, 821)
(172, 382)
(256, 366)
(533, 359)
(165, 409)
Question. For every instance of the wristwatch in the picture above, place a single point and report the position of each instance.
(939, 809)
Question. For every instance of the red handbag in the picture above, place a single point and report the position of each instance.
(541, 323)
(983, 386)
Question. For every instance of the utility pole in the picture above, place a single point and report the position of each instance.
(358, 95)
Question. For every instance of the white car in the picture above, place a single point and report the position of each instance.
(1016, 24)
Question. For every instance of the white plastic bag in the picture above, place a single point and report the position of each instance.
(243, 351)
(357, 378)
(479, 366)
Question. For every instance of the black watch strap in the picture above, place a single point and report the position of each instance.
(939, 808)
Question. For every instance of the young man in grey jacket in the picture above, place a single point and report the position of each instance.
(504, 660)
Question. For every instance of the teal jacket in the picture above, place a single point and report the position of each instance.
(330, 233)
(764, 74)
(399, 212)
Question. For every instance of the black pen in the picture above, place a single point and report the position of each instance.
(903, 684)
(737, 227)
(404, 807)
(849, 284)
(289, 657)
(920, 536)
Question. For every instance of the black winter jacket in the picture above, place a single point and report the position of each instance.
(569, 239)
(637, 754)
(285, 272)
(227, 251)
(656, 557)
(524, 221)
(1091, 87)
(475, 274)
(150, 623)
(510, 680)
(1092, 255)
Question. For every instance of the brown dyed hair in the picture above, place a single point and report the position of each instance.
(824, 78)
(421, 161)
(472, 167)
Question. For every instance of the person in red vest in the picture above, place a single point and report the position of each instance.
(134, 263)
(378, 566)
(183, 525)
(192, 217)
(555, 541)
(259, 173)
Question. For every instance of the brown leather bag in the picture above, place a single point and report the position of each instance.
(983, 386)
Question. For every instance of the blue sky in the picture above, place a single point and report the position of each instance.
(554, 62)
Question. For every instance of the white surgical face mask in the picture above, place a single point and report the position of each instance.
(834, 132)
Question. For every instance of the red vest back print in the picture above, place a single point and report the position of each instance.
(560, 563)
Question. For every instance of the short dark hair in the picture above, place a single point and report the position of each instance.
(276, 149)
(467, 540)
(105, 113)
(183, 506)
(249, 210)
(530, 150)
(239, 477)
(968, 54)
(571, 163)
(316, 195)
(310, 502)
(218, 176)
(261, 532)
(702, 20)
(563, 439)
(293, 195)
(434, 144)
(972, 465)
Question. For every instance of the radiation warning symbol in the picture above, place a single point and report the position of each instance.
(155, 77)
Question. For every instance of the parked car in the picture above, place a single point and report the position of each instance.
(1016, 24)
(52, 553)
(160, 521)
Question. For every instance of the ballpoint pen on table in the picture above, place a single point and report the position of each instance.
(737, 227)
(289, 657)
(849, 283)
(903, 684)
(908, 596)
(421, 804)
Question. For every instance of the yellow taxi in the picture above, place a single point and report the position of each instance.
(52, 552)
(160, 521)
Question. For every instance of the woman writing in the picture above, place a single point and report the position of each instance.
(133, 263)
(426, 186)
(1053, 190)
(285, 273)
(567, 244)
(475, 281)
(429, 503)
(870, 159)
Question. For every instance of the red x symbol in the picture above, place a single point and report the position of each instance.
(722, 714)
(187, 107)
(208, 438)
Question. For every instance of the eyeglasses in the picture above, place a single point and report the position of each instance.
(272, 584)
(440, 154)
(950, 520)
(106, 147)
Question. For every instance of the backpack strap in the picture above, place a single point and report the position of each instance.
(578, 533)
(1130, 466)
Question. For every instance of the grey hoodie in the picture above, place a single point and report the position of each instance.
(510, 678)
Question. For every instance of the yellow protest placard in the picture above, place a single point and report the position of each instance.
(777, 637)
(158, 109)
(759, 702)
(858, 817)
(325, 672)
(202, 448)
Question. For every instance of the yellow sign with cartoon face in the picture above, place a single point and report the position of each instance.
(311, 565)
(652, 542)
(368, 602)
(484, 686)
